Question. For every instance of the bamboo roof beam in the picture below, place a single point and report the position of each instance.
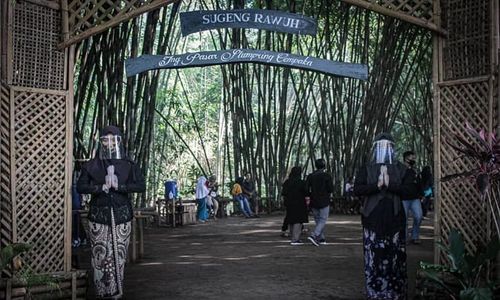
(134, 12)
(428, 24)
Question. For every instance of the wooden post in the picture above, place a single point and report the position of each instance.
(73, 286)
(133, 257)
(173, 212)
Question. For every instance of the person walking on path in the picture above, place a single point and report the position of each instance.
(319, 186)
(381, 183)
(110, 178)
(294, 194)
(201, 199)
(411, 200)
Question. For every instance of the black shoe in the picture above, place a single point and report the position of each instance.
(322, 242)
(313, 240)
(297, 243)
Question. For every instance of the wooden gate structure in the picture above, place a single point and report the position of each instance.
(36, 100)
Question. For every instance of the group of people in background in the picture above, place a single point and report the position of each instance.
(244, 194)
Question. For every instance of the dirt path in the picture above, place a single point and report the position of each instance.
(237, 258)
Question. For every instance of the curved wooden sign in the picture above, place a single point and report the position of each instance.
(273, 20)
(208, 58)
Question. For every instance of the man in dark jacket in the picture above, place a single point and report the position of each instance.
(319, 186)
(411, 199)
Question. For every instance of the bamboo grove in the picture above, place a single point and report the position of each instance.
(261, 119)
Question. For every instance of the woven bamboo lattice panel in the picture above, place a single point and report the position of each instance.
(421, 9)
(40, 153)
(467, 48)
(36, 60)
(5, 180)
(418, 12)
(89, 17)
(460, 203)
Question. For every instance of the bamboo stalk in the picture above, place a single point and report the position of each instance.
(437, 77)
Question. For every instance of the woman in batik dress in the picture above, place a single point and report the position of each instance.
(110, 178)
(381, 184)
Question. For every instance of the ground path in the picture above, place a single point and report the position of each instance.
(237, 258)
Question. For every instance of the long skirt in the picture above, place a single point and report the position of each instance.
(385, 266)
(109, 253)
(202, 213)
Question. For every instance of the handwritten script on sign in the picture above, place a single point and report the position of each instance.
(208, 58)
(273, 20)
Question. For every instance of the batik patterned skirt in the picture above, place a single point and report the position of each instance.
(385, 266)
(109, 253)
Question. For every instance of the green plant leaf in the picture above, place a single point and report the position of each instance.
(437, 267)
(10, 251)
(457, 249)
(433, 276)
(492, 249)
(476, 294)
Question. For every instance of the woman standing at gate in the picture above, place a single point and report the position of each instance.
(110, 178)
(382, 185)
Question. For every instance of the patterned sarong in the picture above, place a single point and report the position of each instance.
(109, 246)
(385, 266)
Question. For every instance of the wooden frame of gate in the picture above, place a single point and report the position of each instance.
(36, 101)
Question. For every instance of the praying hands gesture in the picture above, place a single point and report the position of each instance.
(383, 178)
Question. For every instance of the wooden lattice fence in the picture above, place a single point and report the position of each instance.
(466, 90)
(39, 159)
(35, 165)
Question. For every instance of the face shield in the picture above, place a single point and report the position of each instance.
(111, 147)
(383, 152)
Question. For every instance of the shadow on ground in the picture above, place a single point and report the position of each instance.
(237, 258)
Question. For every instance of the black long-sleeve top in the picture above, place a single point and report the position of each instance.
(92, 178)
(382, 208)
(319, 186)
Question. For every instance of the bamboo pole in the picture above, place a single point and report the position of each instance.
(115, 21)
(464, 81)
(50, 4)
(436, 78)
(399, 15)
(10, 47)
(70, 57)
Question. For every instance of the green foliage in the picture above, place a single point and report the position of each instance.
(9, 252)
(467, 270)
(24, 272)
